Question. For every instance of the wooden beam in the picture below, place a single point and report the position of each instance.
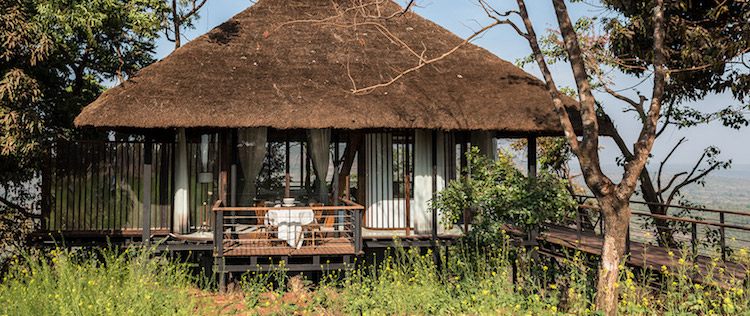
(350, 152)
(532, 159)
(434, 235)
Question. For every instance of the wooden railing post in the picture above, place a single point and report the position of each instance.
(47, 173)
(357, 225)
(579, 227)
(407, 194)
(627, 241)
(722, 237)
(219, 244)
(694, 238)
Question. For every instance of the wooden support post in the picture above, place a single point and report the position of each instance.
(46, 189)
(407, 194)
(146, 218)
(357, 225)
(219, 245)
(362, 179)
(694, 238)
(627, 241)
(532, 173)
(579, 227)
(434, 237)
(722, 237)
(224, 166)
(532, 159)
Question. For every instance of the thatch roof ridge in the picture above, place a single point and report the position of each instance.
(251, 71)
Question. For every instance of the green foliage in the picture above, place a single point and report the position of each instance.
(108, 282)
(498, 193)
(55, 57)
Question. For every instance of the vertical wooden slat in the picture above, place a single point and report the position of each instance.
(362, 178)
(146, 218)
(46, 189)
(81, 223)
(92, 186)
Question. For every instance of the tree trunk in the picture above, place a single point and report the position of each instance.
(176, 21)
(664, 233)
(616, 219)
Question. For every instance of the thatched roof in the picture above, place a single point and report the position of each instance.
(260, 69)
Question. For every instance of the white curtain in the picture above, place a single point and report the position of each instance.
(486, 143)
(181, 214)
(251, 151)
(421, 212)
(318, 144)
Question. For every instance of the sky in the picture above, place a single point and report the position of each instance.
(464, 17)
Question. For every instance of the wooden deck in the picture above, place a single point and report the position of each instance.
(641, 255)
(336, 246)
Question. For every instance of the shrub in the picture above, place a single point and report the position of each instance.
(498, 194)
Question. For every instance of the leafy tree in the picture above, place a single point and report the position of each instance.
(56, 57)
(657, 55)
(618, 48)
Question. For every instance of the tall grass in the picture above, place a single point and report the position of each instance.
(478, 281)
(105, 282)
(474, 280)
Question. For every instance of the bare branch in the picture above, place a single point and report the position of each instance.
(637, 106)
(424, 62)
(664, 162)
(669, 184)
(25, 212)
(195, 10)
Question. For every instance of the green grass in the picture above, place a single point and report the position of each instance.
(105, 282)
(476, 281)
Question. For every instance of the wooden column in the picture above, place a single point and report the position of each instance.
(434, 237)
(532, 173)
(532, 160)
(233, 169)
(46, 188)
(224, 166)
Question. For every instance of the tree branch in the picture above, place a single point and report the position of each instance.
(664, 162)
(562, 112)
(642, 148)
(25, 212)
(194, 10)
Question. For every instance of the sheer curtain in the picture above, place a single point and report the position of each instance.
(251, 151)
(318, 145)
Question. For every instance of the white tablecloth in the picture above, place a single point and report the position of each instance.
(289, 222)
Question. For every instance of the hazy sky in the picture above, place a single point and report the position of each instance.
(463, 17)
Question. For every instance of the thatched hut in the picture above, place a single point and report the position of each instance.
(270, 104)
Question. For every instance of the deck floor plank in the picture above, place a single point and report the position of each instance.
(643, 255)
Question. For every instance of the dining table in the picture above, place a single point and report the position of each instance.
(290, 221)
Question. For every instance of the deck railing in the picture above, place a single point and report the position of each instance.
(702, 231)
(288, 231)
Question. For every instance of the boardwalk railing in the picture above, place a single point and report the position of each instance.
(703, 231)
(288, 231)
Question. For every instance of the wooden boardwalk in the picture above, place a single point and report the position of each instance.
(555, 240)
